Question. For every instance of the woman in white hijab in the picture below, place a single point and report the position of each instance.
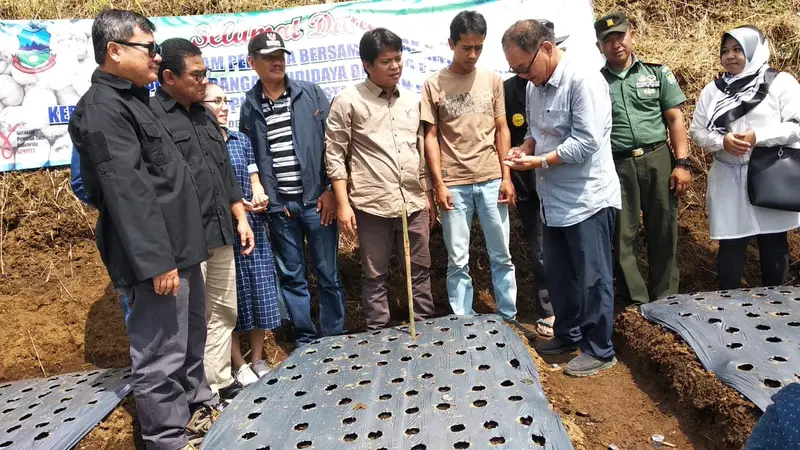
(750, 105)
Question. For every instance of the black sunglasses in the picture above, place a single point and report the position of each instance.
(152, 48)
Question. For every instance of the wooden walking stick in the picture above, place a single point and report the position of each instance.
(407, 251)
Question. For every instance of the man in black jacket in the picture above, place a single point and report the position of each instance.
(178, 103)
(150, 229)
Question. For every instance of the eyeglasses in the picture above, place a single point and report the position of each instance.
(527, 69)
(152, 48)
(217, 101)
(199, 75)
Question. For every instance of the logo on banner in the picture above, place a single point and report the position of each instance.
(518, 120)
(34, 54)
(7, 150)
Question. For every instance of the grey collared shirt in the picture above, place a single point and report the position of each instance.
(571, 114)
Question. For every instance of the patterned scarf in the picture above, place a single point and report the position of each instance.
(744, 91)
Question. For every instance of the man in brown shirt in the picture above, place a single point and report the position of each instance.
(375, 162)
(466, 138)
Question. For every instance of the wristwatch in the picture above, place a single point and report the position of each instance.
(683, 162)
(543, 159)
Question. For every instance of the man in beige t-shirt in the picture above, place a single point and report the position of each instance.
(466, 139)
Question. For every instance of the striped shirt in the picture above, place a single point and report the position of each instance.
(285, 164)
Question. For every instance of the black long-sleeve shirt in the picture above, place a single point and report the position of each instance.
(524, 181)
(150, 220)
(196, 133)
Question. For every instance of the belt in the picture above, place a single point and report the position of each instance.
(637, 152)
(736, 168)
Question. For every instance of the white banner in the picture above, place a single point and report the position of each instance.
(45, 66)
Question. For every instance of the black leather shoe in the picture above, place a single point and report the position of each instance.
(227, 393)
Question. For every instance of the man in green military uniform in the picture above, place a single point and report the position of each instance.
(646, 102)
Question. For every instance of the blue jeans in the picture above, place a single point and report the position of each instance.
(288, 233)
(467, 199)
(126, 309)
(580, 279)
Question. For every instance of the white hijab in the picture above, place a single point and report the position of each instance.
(742, 87)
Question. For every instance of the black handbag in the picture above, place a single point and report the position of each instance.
(773, 178)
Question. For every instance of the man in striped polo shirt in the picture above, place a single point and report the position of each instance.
(278, 114)
(285, 120)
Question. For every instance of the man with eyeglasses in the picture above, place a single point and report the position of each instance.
(285, 121)
(568, 144)
(149, 230)
(527, 198)
(194, 130)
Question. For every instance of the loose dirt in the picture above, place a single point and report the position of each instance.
(726, 414)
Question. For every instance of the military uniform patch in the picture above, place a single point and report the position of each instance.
(648, 84)
(671, 78)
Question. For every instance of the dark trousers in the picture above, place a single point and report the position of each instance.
(167, 340)
(644, 183)
(773, 250)
(288, 233)
(532, 228)
(580, 279)
(378, 237)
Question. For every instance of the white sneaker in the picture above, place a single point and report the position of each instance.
(260, 367)
(245, 375)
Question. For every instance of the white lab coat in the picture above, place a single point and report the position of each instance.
(730, 214)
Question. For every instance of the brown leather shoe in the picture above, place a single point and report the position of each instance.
(200, 423)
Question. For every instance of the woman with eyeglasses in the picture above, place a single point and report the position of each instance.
(256, 282)
(749, 106)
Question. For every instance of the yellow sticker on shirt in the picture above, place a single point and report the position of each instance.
(518, 120)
